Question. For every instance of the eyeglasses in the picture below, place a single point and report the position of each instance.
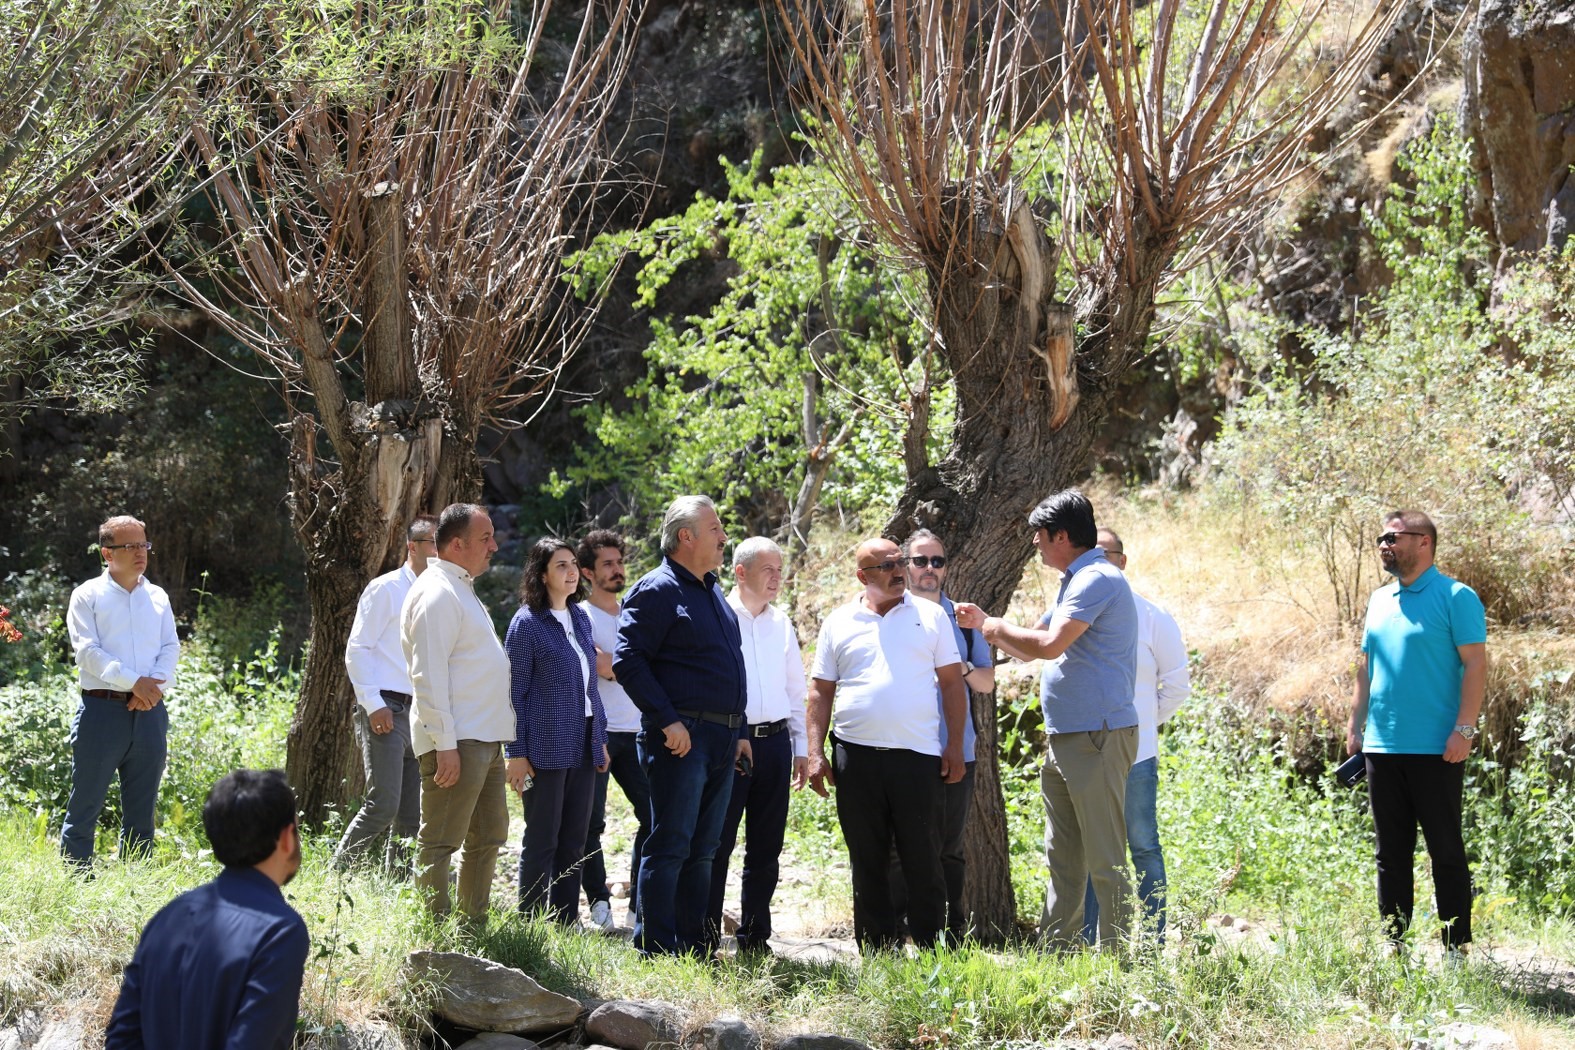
(928, 561)
(889, 565)
(125, 546)
(1389, 539)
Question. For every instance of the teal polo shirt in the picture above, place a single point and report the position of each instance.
(1413, 668)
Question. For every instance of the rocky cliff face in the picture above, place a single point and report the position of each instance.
(1519, 106)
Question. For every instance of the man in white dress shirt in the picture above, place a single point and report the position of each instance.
(774, 677)
(459, 676)
(123, 634)
(381, 681)
(1159, 690)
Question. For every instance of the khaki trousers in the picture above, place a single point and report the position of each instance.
(472, 814)
(1084, 785)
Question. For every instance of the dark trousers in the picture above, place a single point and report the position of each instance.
(956, 804)
(763, 797)
(886, 795)
(108, 739)
(1406, 791)
(688, 803)
(624, 758)
(557, 812)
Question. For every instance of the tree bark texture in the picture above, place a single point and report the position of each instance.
(1030, 402)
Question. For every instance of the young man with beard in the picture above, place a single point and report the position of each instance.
(1419, 686)
(600, 555)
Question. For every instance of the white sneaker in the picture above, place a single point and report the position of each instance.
(601, 916)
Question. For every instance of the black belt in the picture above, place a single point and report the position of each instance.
(107, 694)
(389, 694)
(760, 729)
(731, 721)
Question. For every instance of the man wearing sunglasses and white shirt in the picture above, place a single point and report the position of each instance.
(123, 633)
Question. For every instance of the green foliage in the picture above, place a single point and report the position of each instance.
(720, 409)
(1415, 408)
(224, 714)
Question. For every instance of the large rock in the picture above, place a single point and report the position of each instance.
(1519, 105)
(725, 1033)
(631, 1025)
(820, 1042)
(498, 1041)
(482, 995)
(34, 1034)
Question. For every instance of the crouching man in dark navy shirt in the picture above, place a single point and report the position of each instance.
(220, 965)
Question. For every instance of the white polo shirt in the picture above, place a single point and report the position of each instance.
(884, 668)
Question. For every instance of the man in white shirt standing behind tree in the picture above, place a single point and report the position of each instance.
(1159, 690)
(123, 634)
(381, 681)
(774, 677)
(459, 676)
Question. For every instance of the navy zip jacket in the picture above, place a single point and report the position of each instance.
(218, 968)
(548, 691)
(679, 646)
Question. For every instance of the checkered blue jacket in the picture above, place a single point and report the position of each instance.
(548, 691)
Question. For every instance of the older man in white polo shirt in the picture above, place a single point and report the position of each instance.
(459, 675)
(774, 677)
(877, 664)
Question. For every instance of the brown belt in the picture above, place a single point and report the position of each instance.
(107, 694)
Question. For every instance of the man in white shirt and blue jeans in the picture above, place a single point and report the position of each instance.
(123, 633)
(459, 677)
(381, 681)
(1160, 688)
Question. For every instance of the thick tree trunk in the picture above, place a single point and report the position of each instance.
(1029, 405)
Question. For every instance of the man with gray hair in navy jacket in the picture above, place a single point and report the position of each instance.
(678, 656)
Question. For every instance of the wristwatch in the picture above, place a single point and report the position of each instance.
(1468, 732)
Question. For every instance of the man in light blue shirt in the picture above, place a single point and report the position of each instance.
(123, 634)
(1089, 643)
(1419, 687)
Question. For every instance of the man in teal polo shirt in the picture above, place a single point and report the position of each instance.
(1419, 685)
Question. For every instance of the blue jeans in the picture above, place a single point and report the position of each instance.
(107, 738)
(1142, 812)
(624, 766)
(689, 799)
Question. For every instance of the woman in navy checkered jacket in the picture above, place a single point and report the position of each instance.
(560, 736)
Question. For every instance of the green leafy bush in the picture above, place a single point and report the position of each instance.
(1417, 406)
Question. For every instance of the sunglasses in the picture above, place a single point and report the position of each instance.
(889, 565)
(928, 561)
(1389, 539)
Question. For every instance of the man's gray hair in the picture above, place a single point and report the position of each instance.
(915, 536)
(746, 553)
(682, 513)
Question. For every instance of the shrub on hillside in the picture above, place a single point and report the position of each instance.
(1417, 406)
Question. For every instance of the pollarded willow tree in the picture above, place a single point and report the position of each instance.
(79, 80)
(1166, 128)
(397, 186)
